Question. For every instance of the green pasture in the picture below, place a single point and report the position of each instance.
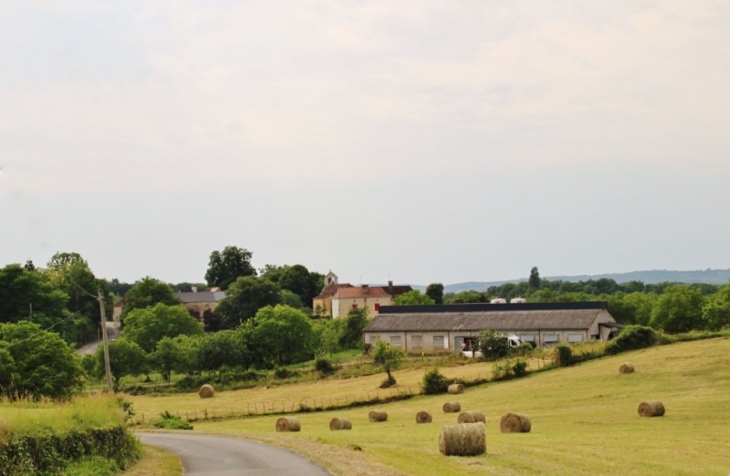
(584, 422)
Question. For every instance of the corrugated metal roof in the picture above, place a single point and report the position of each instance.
(477, 321)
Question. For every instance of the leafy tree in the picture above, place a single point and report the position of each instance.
(679, 309)
(148, 292)
(716, 313)
(493, 345)
(42, 365)
(436, 292)
(534, 280)
(351, 337)
(466, 297)
(390, 358)
(412, 298)
(328, 335)
(168, 356)
(125, 358)
(285, 333)
(244, 298)
(26, 295)
(119, 288)
(301, 282)
(290, 299)
(148, 326)
(224, 268)
(273, 272)
(222, 348)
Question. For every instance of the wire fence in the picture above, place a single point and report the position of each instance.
(279, 407)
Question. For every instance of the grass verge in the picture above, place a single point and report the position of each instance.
(156, 462)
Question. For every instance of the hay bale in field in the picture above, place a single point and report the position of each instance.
(626, 368)
(340, 424)
(471, 416)
(377, 416)
(651, 408)
(423, 417)
(456, 388)
(452, 407)
(206, 391)
(467, 439)
(515, 423)
(288, 424)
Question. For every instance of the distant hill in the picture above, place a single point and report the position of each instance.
(709, 276)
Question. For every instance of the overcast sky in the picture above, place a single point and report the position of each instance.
(417, 141)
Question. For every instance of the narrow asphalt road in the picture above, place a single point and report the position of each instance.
(218, 456)
(112, 332)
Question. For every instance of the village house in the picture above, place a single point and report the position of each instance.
(336, 299)
(200, 304)
(444, 328)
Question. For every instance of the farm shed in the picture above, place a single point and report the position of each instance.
(443, 328)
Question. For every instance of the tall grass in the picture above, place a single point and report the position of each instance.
(41, 418)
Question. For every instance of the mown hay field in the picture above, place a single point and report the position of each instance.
(584, 422)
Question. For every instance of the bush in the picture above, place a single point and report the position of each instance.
(324, 365)
(282, 373)
(509, 369)
(171, 422)
(493, 345)
(563, 356)
(632, 338)
(434, 382)
(48, 453)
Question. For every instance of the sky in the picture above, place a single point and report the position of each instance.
(416, 141)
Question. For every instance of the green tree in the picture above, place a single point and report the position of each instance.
(273, 272)
(29, 295)
(42, 364)
(351, 337)
(290, 299)
(436, 292)
(244, 298)
(225, 267)
(534, 280)
(412, 298)
(228, 347)
(301, 282)
(125, 358)
(492, 345)
(678, 309)
(716, 313)
(286, 334)
(170, 355)
(328, 334)
(466, 297)
(148, 292)
(389, 358)
(148, 326)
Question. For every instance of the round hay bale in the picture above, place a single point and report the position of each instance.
(626, 368)
(452, 407)
(340, 424)
(467, 439)
(288, 424)
(472, 416)
(206, 391)
(423, 417)
(377, 416)
(456, 388)
(651, 408)
(515, 423)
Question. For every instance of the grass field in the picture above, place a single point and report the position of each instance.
(585, 420)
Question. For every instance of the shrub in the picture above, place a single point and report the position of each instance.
(282, 372)
(434, 382)
(508, 369)
(493, 345)
(563, 356)
(172, 422)
(631, 338)
(324, 365)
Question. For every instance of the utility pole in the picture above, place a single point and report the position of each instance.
(107, 366)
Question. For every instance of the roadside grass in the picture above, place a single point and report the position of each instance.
(40, 418)
(584, 418)
(156, 462)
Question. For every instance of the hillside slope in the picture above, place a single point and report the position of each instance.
(584, 418)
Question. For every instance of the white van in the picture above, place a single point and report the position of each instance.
(512, 341)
